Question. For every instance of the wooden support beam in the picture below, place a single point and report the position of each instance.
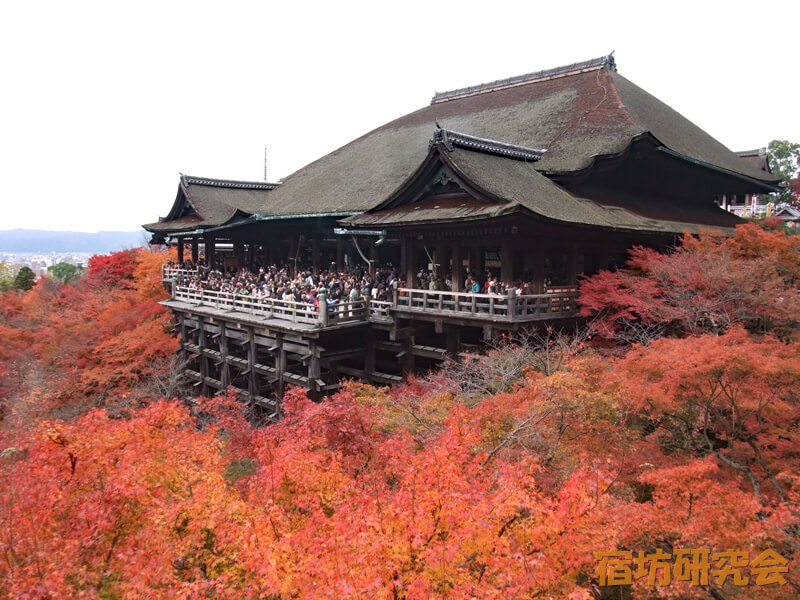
(453, 341)
(315, 254)
(411, 263)
(373, 260)
(210, 252)
(280, 364)
(339, 253)
(538, 267)
(195, 251)
(202, 341)
(252, 376)
(408, 358)
(428, 352)
(180, 250)
(314, 370)
(457, 279)
(572, 265)
(225, 375)
(369, 355)
(507, 261)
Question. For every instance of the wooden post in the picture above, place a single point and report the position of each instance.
(403, 255)
(315, 255)
(180, 250)
(507, 261)
(280, 364)
(322, 307)
(408, 356)
(225, 376)
(210, 258)
(511, 299)
(369, 355)
(440, 261)
(538, 267)
(201, 342)
(292, 261)
(272, 254)
(252, 378)
(572, 268)
(373, 260)
(339, 253)
(314, 370)
(411, 264)
(195, 252)
(453, 341)
(480, 263)
(457, 280)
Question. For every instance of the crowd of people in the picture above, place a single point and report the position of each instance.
(277, 282)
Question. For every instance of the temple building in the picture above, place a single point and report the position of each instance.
(534, 180)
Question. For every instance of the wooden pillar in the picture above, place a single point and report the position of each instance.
(411, 264)
(339, 253)
(210, 258)
(369, 355)
(225, 375)
(180, 250)
(403, 255)
(314, 370)
(457, 280)
(202, 342)
(480, 263)
(572, 265)
(292, 261)
(538, 266)
(507, 261)
(373, 260)
(238, 253)
(195, 252)
(252, 377)
(441, 259)
(280, 364)
(251, 255)
(453, 341)
(272, 257)
(315, 255)
(407, 361)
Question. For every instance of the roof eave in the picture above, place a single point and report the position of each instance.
(764, 185)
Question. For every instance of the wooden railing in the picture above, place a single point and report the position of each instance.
(272, 308)
(379, 309)
(558, 303)
(169, 272)
(508, 307)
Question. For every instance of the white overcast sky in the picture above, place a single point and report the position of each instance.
(102, 104)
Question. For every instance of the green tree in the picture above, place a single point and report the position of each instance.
(24, 279)
(65, 272)
(784, 161)
(7, 273)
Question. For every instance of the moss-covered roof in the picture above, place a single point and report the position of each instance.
(573, 114)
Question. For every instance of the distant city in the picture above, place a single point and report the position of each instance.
(39, 262)
(40, 249)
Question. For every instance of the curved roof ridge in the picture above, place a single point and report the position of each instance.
(228, 183)
(562, 71)
(451, 138)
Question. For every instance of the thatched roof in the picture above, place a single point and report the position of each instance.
(202, 203)
(511, 185)
(572, 115)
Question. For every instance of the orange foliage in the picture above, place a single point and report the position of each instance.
(409, 493)
(707, 284)
(73, 345)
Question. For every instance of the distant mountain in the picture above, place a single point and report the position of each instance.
(37, 240)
